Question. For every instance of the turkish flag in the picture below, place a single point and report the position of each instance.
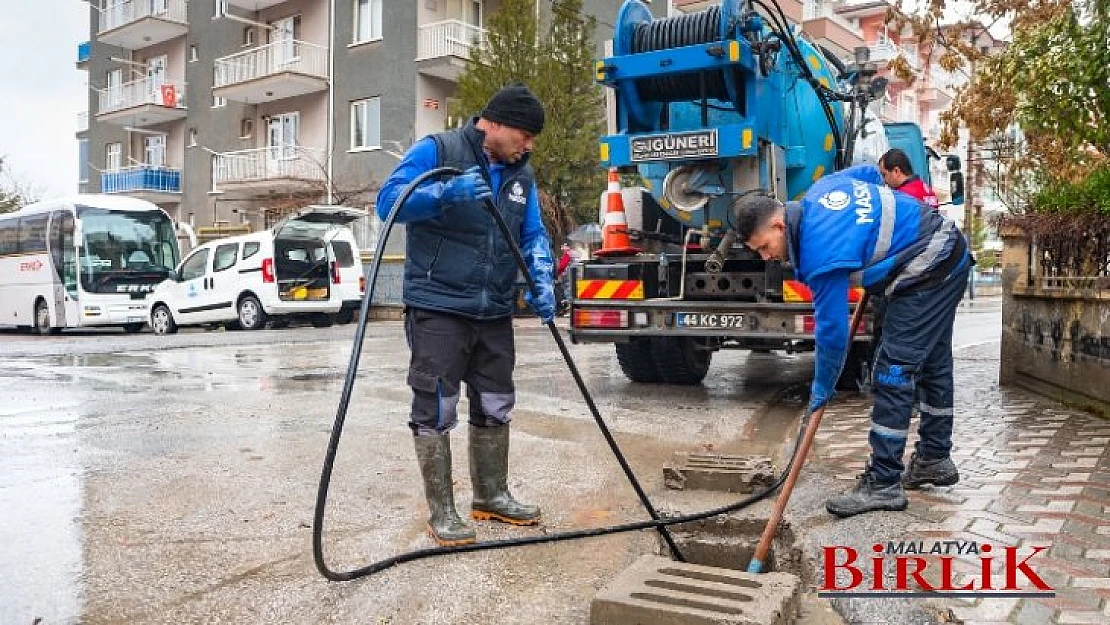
(169, 96)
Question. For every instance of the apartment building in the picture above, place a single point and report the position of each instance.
(228, 113)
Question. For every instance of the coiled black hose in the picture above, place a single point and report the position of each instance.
(656, 523)
(676, 32)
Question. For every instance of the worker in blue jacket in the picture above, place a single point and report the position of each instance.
(459, 291)
(851, 229)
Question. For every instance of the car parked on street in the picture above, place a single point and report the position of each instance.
(245, 281)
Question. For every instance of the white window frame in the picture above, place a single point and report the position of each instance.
(113, 156)
(217, 101)
(156, 69)
(463, 10)
(371, 18)
(114, 87)
(154, 150)
(363, 119)
(285, 31)
(282, 135)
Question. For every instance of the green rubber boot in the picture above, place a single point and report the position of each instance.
(489, 473)
(434, 455)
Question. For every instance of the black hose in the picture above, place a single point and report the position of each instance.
(345, 398)
(841, 70)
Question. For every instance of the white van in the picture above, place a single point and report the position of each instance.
(246, 280)
(348, 279)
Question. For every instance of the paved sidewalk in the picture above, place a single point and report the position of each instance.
(1033, 472)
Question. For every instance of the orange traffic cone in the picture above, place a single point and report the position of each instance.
(614, 233)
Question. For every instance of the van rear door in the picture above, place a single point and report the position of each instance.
(302, 262)
(324, 216)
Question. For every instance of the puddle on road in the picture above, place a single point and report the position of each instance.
(41, 494)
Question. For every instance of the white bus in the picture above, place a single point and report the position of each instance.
(87, 260)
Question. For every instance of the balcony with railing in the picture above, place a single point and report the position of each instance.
(442, 48)
(277, 168)
(278, 70)
(142, 102)
(254, 5)
(821, 22)
(146, 182)
(937, 89)
(135, 24)
(84, 53)
(885, 51)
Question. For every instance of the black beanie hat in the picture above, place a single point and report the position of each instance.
(515, 106)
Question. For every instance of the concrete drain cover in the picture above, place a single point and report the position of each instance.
(731, 474)
(657, 591)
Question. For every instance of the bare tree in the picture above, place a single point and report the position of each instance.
(14, 191)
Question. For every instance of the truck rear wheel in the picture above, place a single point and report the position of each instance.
(637, 362)
(679, 359)
(856, 375)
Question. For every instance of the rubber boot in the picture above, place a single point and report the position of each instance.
(489, 473)
(434, 455)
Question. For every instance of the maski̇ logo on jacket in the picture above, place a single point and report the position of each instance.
(835, 200)
(517, 193)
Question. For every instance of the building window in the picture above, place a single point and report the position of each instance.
(192, 137)
(154, 150)
(218, 102)
(366, 123)
(248, 36)
(220, 9)
(246, 128)
(193, 57)
(368, 20)
(115, 87)
(113, 156)
(83, 161)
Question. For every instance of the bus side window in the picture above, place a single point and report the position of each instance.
(9, 237)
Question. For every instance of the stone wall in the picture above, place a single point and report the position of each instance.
(1055, 339)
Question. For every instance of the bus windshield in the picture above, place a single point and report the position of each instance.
(125, 251)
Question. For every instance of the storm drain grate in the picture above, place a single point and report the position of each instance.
(658, 590)
(716, 472)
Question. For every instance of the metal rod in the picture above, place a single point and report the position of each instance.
(764, 546)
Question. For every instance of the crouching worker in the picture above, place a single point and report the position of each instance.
(850, 227)
(459, 294)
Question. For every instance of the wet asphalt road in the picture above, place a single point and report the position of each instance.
(172, 479)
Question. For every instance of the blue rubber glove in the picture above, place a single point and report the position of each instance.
(542, 269)
(827, 368)
(467, 186)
